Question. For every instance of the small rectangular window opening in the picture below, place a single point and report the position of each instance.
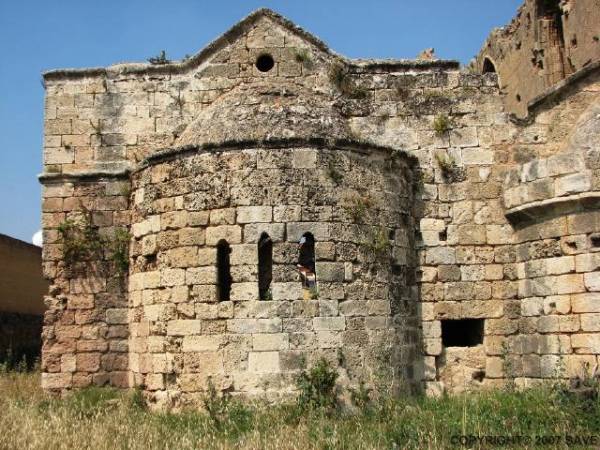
(462, 333)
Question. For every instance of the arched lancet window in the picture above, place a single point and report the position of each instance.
(306, 261)
(488, 66)
(265, 266)
(223, 271)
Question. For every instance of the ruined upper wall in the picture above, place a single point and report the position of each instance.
(546, 42)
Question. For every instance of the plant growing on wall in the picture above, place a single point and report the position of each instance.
(441, 124)
(357, 206)
(82, 245)
(161, 58)
(338, 76)
(317, 386)
(378, 244)
(335, 175)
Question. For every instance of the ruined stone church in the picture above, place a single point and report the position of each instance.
(233, 217)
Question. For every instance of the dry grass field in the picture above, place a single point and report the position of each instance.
(101, 418)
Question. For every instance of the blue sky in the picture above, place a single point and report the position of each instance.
(39, 35)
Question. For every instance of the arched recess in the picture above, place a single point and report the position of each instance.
(223, 271)
(306, 264)
(488, 66)
(265, 266)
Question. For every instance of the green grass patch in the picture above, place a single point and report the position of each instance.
(103, 418)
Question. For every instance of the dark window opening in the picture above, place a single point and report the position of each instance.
(548, 8)
(265, 62)
(265, 266)
(443, 236)
(462, 333)
(223, 271)
(478, 375)
(518, 98)
(306, 261)
(488, 66)
(595, 240)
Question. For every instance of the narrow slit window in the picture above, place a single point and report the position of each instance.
(265, 266)
(306, 264)
(223, 271)
(462, 333)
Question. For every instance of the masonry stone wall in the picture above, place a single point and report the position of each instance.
(362, 318)
(546, 42)
(84, 338)
(486, 223)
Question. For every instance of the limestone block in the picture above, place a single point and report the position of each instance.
(59, 156)
(440, 255)
(182, 257)
(270, 342)
(254, 214)
(203, 363)
(477, 156)
(494, 367)
(550, 366)
(251, 326)
(244, 291)
(286, 291)
(499, 234)
(567, 284)
(474, 272)
(230, 233)
(432, 329)
(564, 163)
(244, 254)
(532, 306)
(587, 262)
(68, 363)
(201, 275)
(56, 380)
(220, 310)
(88, 362)
(580, 365)
(295, 230)
(198, 218)
(467, 137)
(549, 324)
(586, 343)
(207, 256)
(557, 304)
(325, 251)
(531, 366)
(183, 327)
(304, 159)
(592, 281)
(174, 220)
(264, 362)
(202, 343)
(572, 184)
(329, 323)
(172, 277)
(432, 347)
(590, 322)
(225, 216)
(252, 232)
(117, 316)
(191, 236)
(569, 324)
(287, 213)
(151, 280)
(560, 265)
(330, 271)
